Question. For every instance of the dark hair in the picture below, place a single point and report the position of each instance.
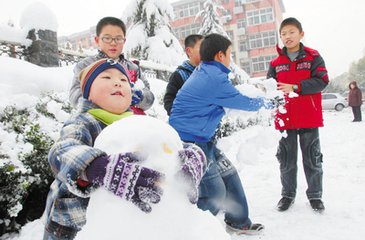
(110, 21)
(192, 39)
(291, 21)
(212, 44)
(354, 83)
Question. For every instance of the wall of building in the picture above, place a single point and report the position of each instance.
(251, 24)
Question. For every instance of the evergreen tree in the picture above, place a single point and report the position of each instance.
(211, 20)
(212, 24)
(150, 36)
(357, 72)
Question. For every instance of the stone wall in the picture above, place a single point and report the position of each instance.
(44, 49)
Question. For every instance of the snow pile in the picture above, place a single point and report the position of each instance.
(119, 219)
(23, 77)
(38, 16)
(15, 35)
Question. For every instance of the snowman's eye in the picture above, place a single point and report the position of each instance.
(166, 149)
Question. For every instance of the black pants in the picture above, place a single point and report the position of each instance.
(312, 162)
(357, 113)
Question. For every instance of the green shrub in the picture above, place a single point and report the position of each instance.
(25, 175)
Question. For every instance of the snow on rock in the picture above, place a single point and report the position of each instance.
(14, 35)
(110, 217)
(38, 16)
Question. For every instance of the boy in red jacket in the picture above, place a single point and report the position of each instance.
(301, 74)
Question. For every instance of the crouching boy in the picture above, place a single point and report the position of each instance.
(79, 168)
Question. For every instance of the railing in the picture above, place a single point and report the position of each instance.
(69, 57)
(14, 50)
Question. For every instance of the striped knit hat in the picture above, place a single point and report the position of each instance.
(88, 74)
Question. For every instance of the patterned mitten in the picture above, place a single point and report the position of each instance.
(277, 101)
(121, 175)
(194, 164)
(136, 97)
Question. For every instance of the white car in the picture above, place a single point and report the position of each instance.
(333, 101)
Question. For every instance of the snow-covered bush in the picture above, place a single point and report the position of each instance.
(234, 123)
(27, 132)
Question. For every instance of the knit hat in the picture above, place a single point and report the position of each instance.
(88, 74)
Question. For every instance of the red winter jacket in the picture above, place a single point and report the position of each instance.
(308, 71)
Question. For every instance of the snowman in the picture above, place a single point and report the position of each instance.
(174, 217)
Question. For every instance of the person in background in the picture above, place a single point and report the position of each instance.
(79, 168)
(183, 72)
(110, 38)
(301, 74)
(196, 114)
(355, 101)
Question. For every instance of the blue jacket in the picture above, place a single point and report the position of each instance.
(198, 107)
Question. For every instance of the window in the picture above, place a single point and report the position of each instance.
(264, 39)
(188, 10)
(261, 63)
(184, 31)
(237, 3)
(252, 1)
(260, 16)
(241, 23)
(329, 96)
(242, 45)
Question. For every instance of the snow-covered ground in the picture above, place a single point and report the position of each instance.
(342, 143)
(344, 179)
(253, 152)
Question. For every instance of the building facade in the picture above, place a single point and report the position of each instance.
(252, 26)
(79, 41)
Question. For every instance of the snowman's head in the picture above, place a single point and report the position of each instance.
(152, 138)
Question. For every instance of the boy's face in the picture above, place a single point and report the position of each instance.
(193, 53)
(111, 41)
(291, 36)
(111, 91)
(224, 58)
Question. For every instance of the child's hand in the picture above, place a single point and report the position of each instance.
(286, 88)
(121, 175)
(193, 167)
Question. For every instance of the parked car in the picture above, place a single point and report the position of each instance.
(333, 101)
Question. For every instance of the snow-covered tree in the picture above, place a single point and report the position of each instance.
(212, 23)
(357, 72)
(149, 36)
(211, 20)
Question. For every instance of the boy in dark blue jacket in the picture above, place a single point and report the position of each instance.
(183, 72)
(196, 113)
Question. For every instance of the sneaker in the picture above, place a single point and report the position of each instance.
(317, 205)
(253, 229)
(284, 203)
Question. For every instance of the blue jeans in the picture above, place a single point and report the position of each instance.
(287, 155)
(221, 188)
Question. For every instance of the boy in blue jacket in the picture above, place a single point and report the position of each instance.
(196, 113)
(79, 168)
